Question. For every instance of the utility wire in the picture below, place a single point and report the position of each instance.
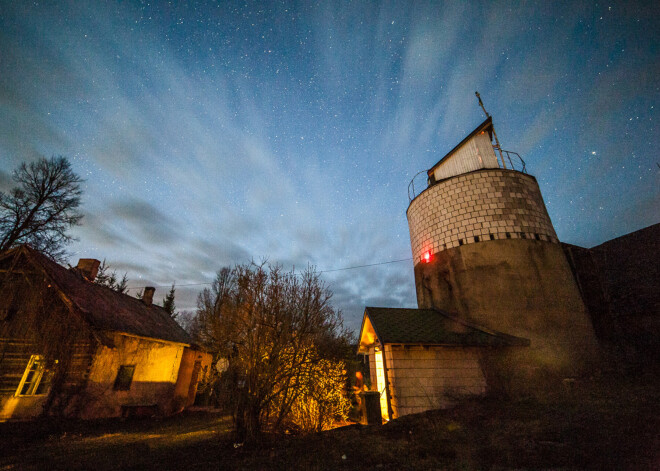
(368, 265)
(322, 271)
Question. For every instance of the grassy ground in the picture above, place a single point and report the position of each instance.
(167, 443)
(604, 424)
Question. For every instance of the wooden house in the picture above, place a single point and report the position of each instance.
(71, 347)
(422, 359)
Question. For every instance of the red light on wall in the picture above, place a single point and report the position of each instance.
(426, 257)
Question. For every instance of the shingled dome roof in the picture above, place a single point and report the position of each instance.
(103, 309)
(427, 327)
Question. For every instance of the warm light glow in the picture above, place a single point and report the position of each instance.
(426, 257)
(380, 384)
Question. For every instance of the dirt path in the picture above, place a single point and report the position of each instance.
(172, 443)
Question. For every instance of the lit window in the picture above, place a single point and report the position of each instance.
(36, 379)
(124, 378)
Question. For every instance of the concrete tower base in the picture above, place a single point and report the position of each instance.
(518, 286)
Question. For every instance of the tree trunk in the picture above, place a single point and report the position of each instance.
(247, 425)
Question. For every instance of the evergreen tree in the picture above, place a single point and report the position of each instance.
(108, 278)
(168, 303)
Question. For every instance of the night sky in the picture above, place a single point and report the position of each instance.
(221, 132)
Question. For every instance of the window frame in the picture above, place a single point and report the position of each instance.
(35, 380)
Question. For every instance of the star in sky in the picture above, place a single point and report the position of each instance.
(213, 133)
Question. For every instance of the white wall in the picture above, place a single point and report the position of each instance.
(475, 154)
(423, 378)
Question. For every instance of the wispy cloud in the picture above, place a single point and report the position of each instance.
(209, 136)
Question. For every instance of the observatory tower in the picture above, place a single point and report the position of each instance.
(485, 249)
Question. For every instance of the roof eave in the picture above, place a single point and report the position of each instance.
(142, 337)
(493, 338)
(364, 318)
(512, 339)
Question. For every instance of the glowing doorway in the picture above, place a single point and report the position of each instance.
(380, 384)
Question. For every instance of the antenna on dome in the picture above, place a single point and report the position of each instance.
(497, 142)
(481, 103)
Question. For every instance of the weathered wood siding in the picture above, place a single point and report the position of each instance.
(424, 378)
(35, 321)
(15, 357)
(475, 154)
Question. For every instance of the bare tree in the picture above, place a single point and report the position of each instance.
(42, 207)
(275, 328)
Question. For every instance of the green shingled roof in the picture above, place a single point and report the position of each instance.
(433, 327)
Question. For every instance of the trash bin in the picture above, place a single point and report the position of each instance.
(371, 408)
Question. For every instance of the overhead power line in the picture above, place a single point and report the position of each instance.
(321, 271)
(368, 265)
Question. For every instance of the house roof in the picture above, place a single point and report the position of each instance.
(101, 307)
(428, 327)
(487, 125)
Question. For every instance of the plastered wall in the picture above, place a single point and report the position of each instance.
(520, 287)
(156, 372)
(185, 390)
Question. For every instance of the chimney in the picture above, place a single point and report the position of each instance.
(148, 295)
(89, 267)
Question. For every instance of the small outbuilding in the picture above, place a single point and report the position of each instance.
(74, 348)
(422, 359)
